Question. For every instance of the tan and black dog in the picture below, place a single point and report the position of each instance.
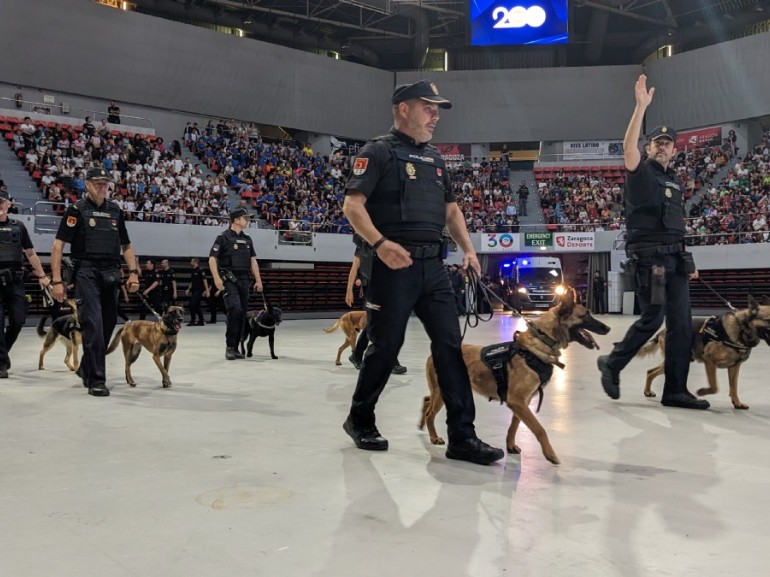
(65, 329)
(351, 324)
(723, 342)
(538, 347)
(157, 337)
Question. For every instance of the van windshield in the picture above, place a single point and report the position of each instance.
(549, 276)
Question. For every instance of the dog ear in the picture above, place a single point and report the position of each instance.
(567, 303)
(753, 306)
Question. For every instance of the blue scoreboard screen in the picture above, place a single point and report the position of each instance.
(517, 22)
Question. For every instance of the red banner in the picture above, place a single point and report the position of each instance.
(701, 138)
(454, 152)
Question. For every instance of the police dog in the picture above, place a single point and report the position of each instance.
(351, 324)
(65, 329)
(261, 324)
(548, 334)
(158, 337)
(723, 342)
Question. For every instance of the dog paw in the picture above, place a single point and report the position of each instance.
(337, 363)
(553, 459)
(437, 441)
(649, 394)
(514, 450)
(704, 391)
(741, 406)
(167, 385)
(131, 384)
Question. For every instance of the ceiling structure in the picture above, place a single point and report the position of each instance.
(414, 34)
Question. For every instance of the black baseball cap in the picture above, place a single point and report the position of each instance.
(663, 131)
(98, 173)
(238, 212)
(424, 90)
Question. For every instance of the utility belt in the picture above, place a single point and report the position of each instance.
(647, 275)
(96, 264)
(9, 276)
(366, 254)
(648, 249)
(233, 276)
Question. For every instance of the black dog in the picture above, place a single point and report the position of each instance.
(261, 324)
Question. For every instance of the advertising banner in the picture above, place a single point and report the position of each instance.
(500, 242)
(454, 152)
(573, 241)
(592, 149)
(701, 138)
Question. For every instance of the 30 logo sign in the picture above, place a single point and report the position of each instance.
(500, 242)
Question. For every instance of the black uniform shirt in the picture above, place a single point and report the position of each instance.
(15, 228)
(196, 280)
(149, 277)
(643, 191)
(72, 222)
(376, 175)
(167, 279)
(224, 247)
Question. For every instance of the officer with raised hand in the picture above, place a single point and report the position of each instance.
(14, 245)
(96, 232)
(399, 199)
(231, 259)
(661, 267)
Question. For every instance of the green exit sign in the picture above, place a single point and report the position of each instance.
(538, 239)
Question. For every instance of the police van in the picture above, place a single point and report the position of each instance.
(534, 282)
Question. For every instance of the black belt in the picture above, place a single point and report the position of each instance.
(423, 252)
(645, 249)
(97, 264)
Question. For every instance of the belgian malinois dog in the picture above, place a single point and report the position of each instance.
(65, 329)
(351, 324)
(548, 334)
(723, 342)
(157, 337)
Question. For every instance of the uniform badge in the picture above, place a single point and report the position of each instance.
(434, 88)
(664, 130)
(359, 166)
(668, 193)
(235, 246)
(91, 222)
(411, 171)
(72, 221)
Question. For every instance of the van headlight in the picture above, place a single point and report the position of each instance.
(560, 290)
(522, 290)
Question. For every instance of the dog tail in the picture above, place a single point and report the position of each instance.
(333, 328)
(41, 331)
(116, 339)
(652, 346)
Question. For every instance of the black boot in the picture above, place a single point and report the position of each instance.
(474, 450)
(366, 438)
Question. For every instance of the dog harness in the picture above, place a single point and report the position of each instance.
(497, 357)
(66, 325)
(713, 330)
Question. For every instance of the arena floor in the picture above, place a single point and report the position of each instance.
(242, 470)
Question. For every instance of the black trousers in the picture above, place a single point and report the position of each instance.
(97, 294)
(13, 300)
(599, 306)
(678, 315)
(392, 295)
(196, 311)
(236, 303)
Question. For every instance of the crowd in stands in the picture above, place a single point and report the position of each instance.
(735, 210)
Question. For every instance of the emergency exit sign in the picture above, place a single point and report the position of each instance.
(538, 239)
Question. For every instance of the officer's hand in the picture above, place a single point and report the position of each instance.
(132, 285)
(349, 298)
(473, 261)
(219, 283)
(258, 286)
(58, 292)
(394, 255)
(206, 294)
(44, 282)
(357, 282)
(643, 96)
(694, 275)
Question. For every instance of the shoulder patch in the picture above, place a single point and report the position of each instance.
(72, 221)
(360, 166)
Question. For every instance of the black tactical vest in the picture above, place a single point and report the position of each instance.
(11, 253)
(98, 236)
(422, 205)
(235, 252)
(659, 221)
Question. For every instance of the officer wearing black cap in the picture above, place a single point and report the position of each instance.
(231, 259)
(96, 232)
(657, 260)
(399, 200)
(14, 244)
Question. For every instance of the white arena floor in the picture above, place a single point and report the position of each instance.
(242, 470)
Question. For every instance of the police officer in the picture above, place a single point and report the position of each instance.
(655, 247)
(199, 288)
(14, 244)
(95, 229)
(231, 259)
(150, 290)
(399, 200)
(598, 289)
(167, 285)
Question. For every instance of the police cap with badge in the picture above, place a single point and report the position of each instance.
(238, 212)
(423, 90)
(662, 132)
(97, 173)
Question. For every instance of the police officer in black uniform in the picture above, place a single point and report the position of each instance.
(96, 231)
(657, 259)
(150, 290)
(167, 279)
(599, 290)
(199, 288)
(399, 200)
(14, 244)
(231, 259)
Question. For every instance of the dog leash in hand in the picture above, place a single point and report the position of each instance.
(720, 297)
(149, 307)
